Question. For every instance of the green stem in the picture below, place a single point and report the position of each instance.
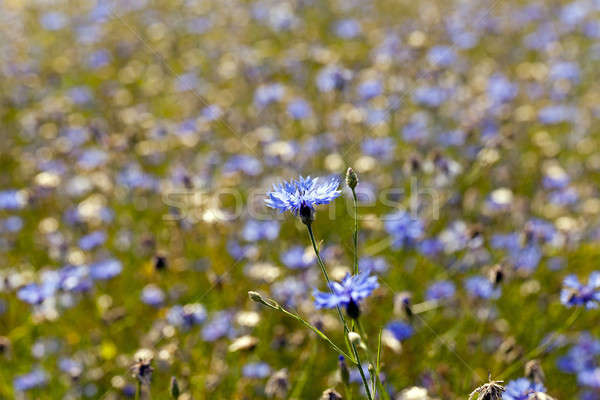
(138, 390)
(355, 232)
(341, 316)
(315, 330)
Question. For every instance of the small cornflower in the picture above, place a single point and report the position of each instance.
(440, 290)
(399, 330)
(575, 293)
(347, 293)
(34, 379)
(480, 287)
(256, 370)
(522, 389)
(302, 195)
(404, 229)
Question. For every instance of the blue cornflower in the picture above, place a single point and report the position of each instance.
(590, 377)
(582, 356)
(72, 367)
(481, 287)
(32, 380)
(302, 195)
(399, 330)
(92, 240)
(105, 269)
(575, 293)
(377, 264)
(256, 370)
(187, 316)
(297, 258)
(440, 290)
(288, 291)
(218, 326)
(347, 293)
(521, 389)
(404, 229)
(153, 295)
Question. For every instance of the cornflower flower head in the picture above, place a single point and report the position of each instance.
(522, 389)
(300, 196)
(347, 293)
(404, 229)
(574, 293)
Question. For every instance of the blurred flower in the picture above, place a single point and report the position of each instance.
(399, 330)
(299, 109)
(347, 28)
(187, 316)
(440, 290)
(35, 379)
(298, 257)
(521, 389)
(256, 370)
(481, 287)
(153, 295)
(575, 293)
(105, 269)
(404, 229)
(218, 326)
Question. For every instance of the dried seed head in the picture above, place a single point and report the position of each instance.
(496, 274)
(488, 391)
(142, 370)
(331, 394)
(534, 371)
(278, 384)
(403, 304)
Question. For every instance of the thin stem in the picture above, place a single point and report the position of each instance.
(362, 373)
(318, 332)
(346, 330)
(355, 232)
(324, 270)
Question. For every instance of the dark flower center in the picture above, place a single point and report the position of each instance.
(352, 309)
(306, 214)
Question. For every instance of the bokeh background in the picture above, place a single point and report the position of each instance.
(138, 139)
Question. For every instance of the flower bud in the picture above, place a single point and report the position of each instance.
(351, 178)
(354, 337)
(256, 297)
(174, 389)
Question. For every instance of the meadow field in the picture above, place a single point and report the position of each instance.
(300, 199)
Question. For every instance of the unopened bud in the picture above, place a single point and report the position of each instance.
(354, 337)
(256, 297)
(534, 371)
(174, 388)
(351, 178)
